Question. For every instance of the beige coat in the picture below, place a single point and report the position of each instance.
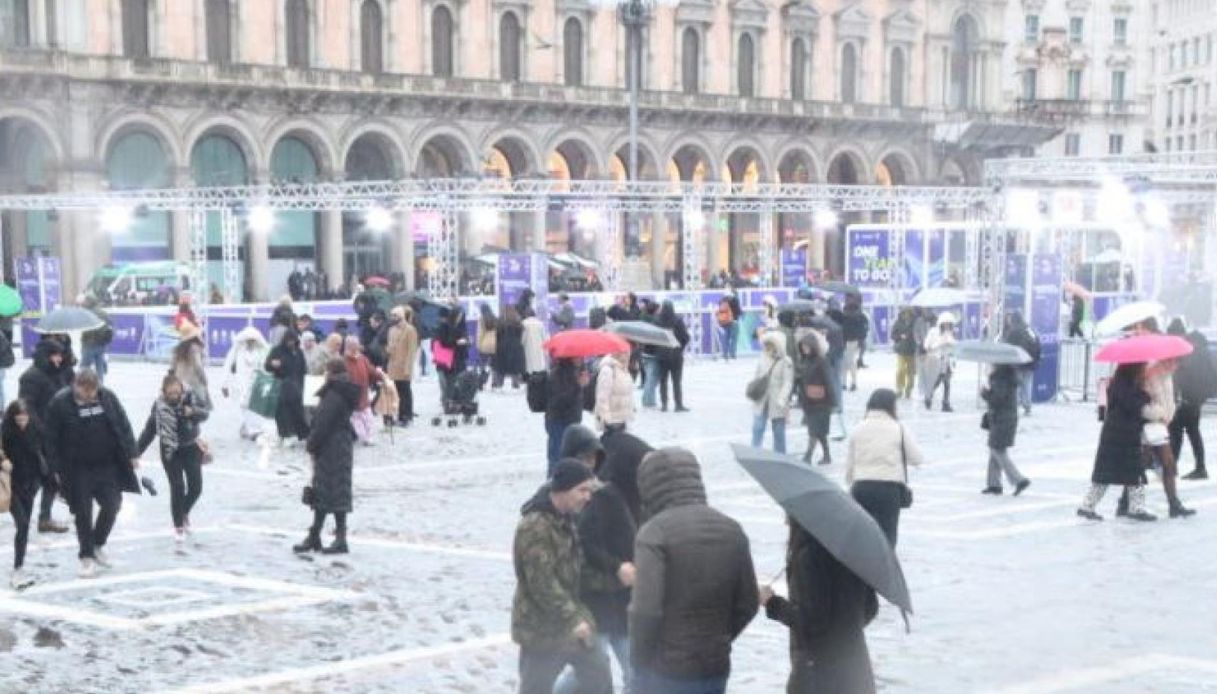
(875, 450)
(402, 351)
(534, 345)
(776, 403)
(614, 393)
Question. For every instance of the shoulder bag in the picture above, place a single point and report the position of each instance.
(906, 492)
(759, 386)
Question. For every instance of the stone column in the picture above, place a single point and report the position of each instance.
(403, 248)
(329, 250)
(714, 244)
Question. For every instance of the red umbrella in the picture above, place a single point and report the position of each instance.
(576, 344)
(1144, 348)
(376, 281)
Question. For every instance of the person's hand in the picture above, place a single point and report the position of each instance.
(135, 463)
(583, 634)
(766, 593)
(626, 573)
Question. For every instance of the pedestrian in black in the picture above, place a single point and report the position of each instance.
(332, 447)
(286, 362)
(22, 447)
(175, 419)
(1118, 460)
(509, 349)
(672, 359)
(813, 384)
(563, 405)
(1195, 383)
(91, 446)
(1001, 419)
(50, 373)
(1077, 313)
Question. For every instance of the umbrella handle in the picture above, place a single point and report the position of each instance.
(776, 577)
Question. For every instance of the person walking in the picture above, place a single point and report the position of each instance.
(649, 358)
(1195, 383)
(533, 341)
(548, 619)
(672, 359)
(771, 403)
(564, 317)
(286, 363)
(487, 342)
(827, 613)
(331, 447)
(282, 320)
(364, 374)
(509, 350)
(450, 348)
(694, 588)
(563, 406)
(49, 373)
(614, 407)
(737, 312)
(90, 444)
(854, 329)
(241, 366)
(813, 379)
(1001, 419)
(93, 343)
(1118, 459)
(402, 350)
(23, 453)
(876, 466)
(186, 363)
(1019, 334)
(175, 419)
(1077, 314)
(904, 344)
(327, 351)
(726, 327)
(1158, 382)
(940, 361)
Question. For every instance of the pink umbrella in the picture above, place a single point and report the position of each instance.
(1144, 348)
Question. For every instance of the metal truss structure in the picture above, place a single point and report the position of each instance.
(767, 260)
(198, 256)
(693, 224)
(1173, 168)
(443, 280)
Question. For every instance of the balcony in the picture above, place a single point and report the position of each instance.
(1052, 110)
(1124, 109)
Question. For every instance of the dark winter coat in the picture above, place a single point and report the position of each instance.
(450, 332)
(563, 395)
(292, 367)
(904, 341)
(673, 322)
(98, 338)
(828, 608)
(1118, 460)
(170, 423)
(547, 560)
(24, 449)
(1196, 378)
(1021, 335)
(695, 589)
(606, 533)
(854, 326)
(42, 380)
(66, 445)
(331, 443)
(623, 453)
(1002, 399)
(284, 316)
(509, 348)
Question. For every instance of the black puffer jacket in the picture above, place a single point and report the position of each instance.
(1118, 460)
(66, 447)
(696, 588)
(1002, 399)
(623, 453)
(24, 449)
(331, 442)
(854, 325)
(42, 380)
(563, 394)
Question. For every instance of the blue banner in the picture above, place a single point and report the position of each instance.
(936, 259)
(794, 267)
(1045, 320)
(914, 260)
(870, 258)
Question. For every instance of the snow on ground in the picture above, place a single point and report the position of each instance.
(1012, 594)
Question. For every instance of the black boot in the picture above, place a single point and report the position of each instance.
(340, 544)
(1197, 474)
(1178, 510)
(946, 407)
(1122, 506)
(312, 543)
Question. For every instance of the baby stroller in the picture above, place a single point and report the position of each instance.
(461, 400)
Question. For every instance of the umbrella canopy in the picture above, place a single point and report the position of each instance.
(798, 306)
(825, 510)
(991, 352)
(69, 319)
(643, 333)
(411, 296)
(837, 287)
(577, 344)
(1142, 348)
(1126, 316)
(10, 302)
(938, 297)
(576, 261)
(376, 281)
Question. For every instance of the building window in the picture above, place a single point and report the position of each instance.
(1075, 30)
(1119, 30)
(895, 73)
(52, 24)
(690, 61)
(1191, 142)
(1074, 87)
(798, 70)
(1174, 57)
(1073, 144)
(1115, 143)
(15, 24)
(441, 41)
(1170, 107)
(219, 42)
(963, 77)
(135, 28)
(1117, 85)
(371, 37)
(746, 65)
(1030, 76)
(572, 52)
(297, 23)
(849, 74)
(1031, 28)
(509, 47)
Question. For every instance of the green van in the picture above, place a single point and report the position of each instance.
(140, 284)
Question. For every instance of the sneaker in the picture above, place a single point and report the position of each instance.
(51, 526)
(19, 580)
(995, 491)
(88, 568)
(1178, 510)
(1089, 515)
(681, 408)
(946, 407)
(1022, 486)
(929, 404)
(102, 559)
(1143, 516)
(1197, 474)
(825, 461)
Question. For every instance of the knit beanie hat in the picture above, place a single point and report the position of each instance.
(568, 474)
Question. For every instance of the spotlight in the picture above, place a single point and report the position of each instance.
(378, 219)
(695, 218)
(485, 218)
(1157, 214)
(921, 215)
(116, 219)
(261, 219)
(825, 218)
(589, 219)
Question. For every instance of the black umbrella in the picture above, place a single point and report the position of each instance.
(825, 510)
(643, 333)
(798, 306)
(838, 287)
(410, 296)
(69, 319)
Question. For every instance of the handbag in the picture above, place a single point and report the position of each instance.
(815, 392)
(442, 355)
(984, 421)
(6, 486)
(906, 492)
(1155, 434)
(264, 396)
(759, 386)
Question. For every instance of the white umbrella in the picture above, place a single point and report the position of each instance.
(938, 297)
(1126, 316)
(577, 261)
(1110, 255)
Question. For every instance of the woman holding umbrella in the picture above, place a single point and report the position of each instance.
(671, 359)
(1118, 460)
(1001, 419)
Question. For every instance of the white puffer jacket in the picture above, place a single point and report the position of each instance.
(534, 345)
(614, 393)
(776, 403)
(875, 450)
(243, 363)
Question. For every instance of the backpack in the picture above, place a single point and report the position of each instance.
(537, 393)
(589, 391)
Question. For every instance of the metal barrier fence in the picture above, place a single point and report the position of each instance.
(1076, 370)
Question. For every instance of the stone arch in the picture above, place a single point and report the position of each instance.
(687, 153)
(847, 166)
(648, 160)
(161, 129)
(388, 139)
(960, 170)
(740, 154)
(521, 155)
(239, 132)
(900, 166)
(312, 133)
(38, 120)
(577, 144)
(445, 152)
(798, 164)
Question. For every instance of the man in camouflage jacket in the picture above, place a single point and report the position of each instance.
(554, 629)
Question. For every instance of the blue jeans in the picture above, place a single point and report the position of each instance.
(554, 430)
(1026, 382)
(650, 380)
(652, 683)
(779, 432)
(619, 645)
(732, 341)
(95, 358)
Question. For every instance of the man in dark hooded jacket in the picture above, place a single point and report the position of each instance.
(695, 588)
(50, 373)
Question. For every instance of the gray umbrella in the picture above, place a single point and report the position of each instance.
(826, 511)
(991, 352)
(643, 333)
(797, 306)
(69, 319)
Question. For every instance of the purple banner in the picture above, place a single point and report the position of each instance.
(1045, 319)
(794, 267)
(28, 285)
(880, 325)
(870, 258)
(128, 333)
(936, 260)
(515, 275)
(914, 275)
(52, 285)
